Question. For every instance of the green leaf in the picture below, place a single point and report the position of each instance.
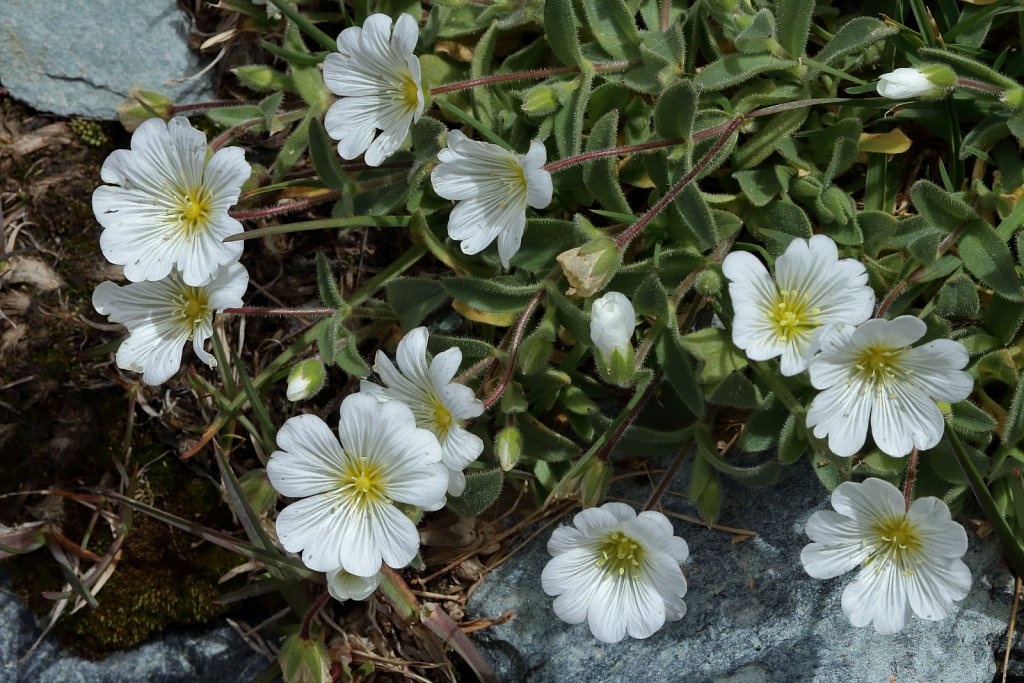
(675, 362)
(1013, 432)
(568, 127)
(482, 490)
(675, 111)
(941, 209)
(734, 69)
(958, 298)
(321, 149)
(762, 429)
(349, 359)
(760, 186)
(613, 26)
(757, 475)
(965, 66)
(485, 103)
(601, 175)
(855, 35)
(229, 117)
(759, 36)
(988, 258)
(793, 441)
(713, 346)
(570, 316)
(697, 216)
(760, 145)
(537, 347)
(735, 391)
(793, 18)
(326, 283)
(650, 298)
(540, 442)
(414, 298)
(261, 77)
(497, 295)
(705, 490)
(562, 32)
(968, 419)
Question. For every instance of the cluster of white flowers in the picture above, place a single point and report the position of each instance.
(403, 443)
(377, 77)
(815, 316)
(164, 216)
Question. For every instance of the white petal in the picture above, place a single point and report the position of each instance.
(878, 596)
(842, 413)
(311, 526)
(935, 586)
(345, 586)
(869, 501)
(310, 460)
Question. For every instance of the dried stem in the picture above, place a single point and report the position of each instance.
(666, 478)
(908, 485)
(281, 312)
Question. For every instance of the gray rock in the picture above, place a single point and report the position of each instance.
(80, 57)
(211, 655)
(753, 615)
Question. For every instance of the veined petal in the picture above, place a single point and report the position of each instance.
(310, 460)
(879, 597)
(842, 413)
(345, 586)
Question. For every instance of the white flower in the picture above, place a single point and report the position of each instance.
(345, 586)
(931, 80)
(378, 79)
(347, 518)
(612, 320)
(167, 204)
(868, 374)
(813, 288)
(911, 558)
(493, 187)
(617, 570)
(439, 404)
(162, 316)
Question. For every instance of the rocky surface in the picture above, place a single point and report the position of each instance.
(753, 615)
(80, 57)
(212, 655)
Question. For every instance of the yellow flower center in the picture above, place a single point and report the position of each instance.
(619, 553)
(409, 93)
(895, 541)
(363, 483)
(193, 307)
(193, 211)
(792, 316)
(879, 364)
(443, 420)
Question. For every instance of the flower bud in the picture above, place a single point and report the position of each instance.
(1013, 98)
(594, 482)
(306, 379)
(142, 105)
(303, 660)
(929, 81)
(590, 267)
(612, 320)
(709, 283)
(508, 446)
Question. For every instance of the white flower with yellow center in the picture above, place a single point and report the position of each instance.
(813, 288)
(869, 375)
(439, 404)
(166, 206)
(378, 79)
(347, 518)
(163, 316)
(618, 571)
(911, 558)
(493, 187)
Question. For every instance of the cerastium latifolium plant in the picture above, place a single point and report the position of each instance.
(652, 221)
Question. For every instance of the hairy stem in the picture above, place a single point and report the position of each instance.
(533, 74)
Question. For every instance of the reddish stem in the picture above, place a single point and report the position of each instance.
(629, 233)
(614, 151)
(613, 440)
(313, 611)
(513, 349)
(908, 485)
(979, 85)
(283, 312)
(202, 106)
(666, 479)
(233, 132)
(283, 208)
(530, 75)
(666, 6)
(902, 285)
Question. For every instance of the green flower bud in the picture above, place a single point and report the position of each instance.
(590, 267)
(594, 483)
(304, 661)
(540, 100)
(306, 379)
(142, 105)
(1013, 98)
(709, 283)
(508, 446)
